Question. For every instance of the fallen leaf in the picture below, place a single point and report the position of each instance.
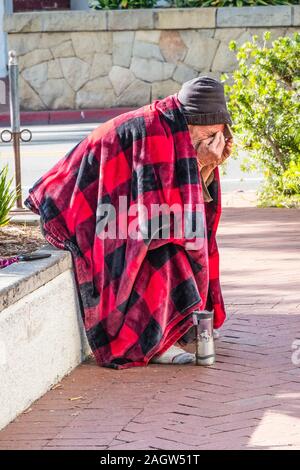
(27, 411)
(56, 386)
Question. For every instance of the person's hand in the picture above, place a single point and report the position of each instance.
(227, 150)
(211, 151)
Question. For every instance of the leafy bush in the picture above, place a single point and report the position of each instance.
(265, 107)
(7, 196)
(125, 4)
(231, 3)
(121, 4)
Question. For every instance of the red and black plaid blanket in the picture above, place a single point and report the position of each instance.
(136, 295)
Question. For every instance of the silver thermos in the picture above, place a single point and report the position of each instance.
(205, 348)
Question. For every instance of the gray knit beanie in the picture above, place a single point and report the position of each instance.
(203, 102)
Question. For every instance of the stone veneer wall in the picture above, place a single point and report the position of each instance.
(90, 59)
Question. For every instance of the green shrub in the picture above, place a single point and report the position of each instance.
(121, 4)
(231, 3)
(265, 107)
(7, 196)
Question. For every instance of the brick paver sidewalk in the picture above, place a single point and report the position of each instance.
(249, 399)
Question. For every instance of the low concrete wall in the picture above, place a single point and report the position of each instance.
(88, 59)
(41, 334)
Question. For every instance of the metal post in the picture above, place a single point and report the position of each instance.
(13, 72)
(15, 135)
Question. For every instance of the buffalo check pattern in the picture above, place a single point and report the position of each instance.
(136, 296)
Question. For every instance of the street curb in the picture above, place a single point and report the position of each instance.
(65, 116)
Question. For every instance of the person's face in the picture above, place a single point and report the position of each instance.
(210, 141)
(199, 133)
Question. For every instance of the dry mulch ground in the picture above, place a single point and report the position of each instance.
(20, 238)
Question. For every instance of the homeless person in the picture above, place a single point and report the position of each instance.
(137, 203)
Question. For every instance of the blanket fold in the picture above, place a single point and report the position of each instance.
(137, 285)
